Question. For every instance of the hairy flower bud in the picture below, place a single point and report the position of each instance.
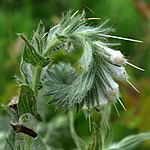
(100, 64)
(117, 72)
(111, 87)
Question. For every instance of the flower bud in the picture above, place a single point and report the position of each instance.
(113, 56)
(111, 87)
(118, 72)
(102, 100)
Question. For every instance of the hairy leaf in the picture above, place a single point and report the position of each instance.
(13, 141)
(27, 101)
(39, 39)
(31, 56)
(27, 70)
(130, 142)
(16, 141)
(65, 87)
(59, 79)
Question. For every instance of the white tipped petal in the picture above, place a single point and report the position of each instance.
(111, 87)
(101, 98)
(118, 72)
(123, 74)
(116, 57)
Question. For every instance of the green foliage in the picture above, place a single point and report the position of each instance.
(67, 89)
(27, 101)
(130, 142)
(23, 142)
(60, 45)
(57, 85)
(31, 56)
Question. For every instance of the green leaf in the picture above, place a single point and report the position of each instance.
(59, 79)
(31, 56)
(17, 141)
(66, 88)
(14, 141)
(10, 141)
(39, 38)
(12, 113)
(27, 101)
(27, 72)
(38, 144)
(130, 142)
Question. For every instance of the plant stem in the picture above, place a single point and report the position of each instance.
(36, 83)
(72, 130)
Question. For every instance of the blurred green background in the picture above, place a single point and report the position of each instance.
(130, 18)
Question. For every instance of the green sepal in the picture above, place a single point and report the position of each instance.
(27, 101)
(61, 37)
(31, 56)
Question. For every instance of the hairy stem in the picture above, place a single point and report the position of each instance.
(72, 130)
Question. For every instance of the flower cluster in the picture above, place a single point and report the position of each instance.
(100, 64)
